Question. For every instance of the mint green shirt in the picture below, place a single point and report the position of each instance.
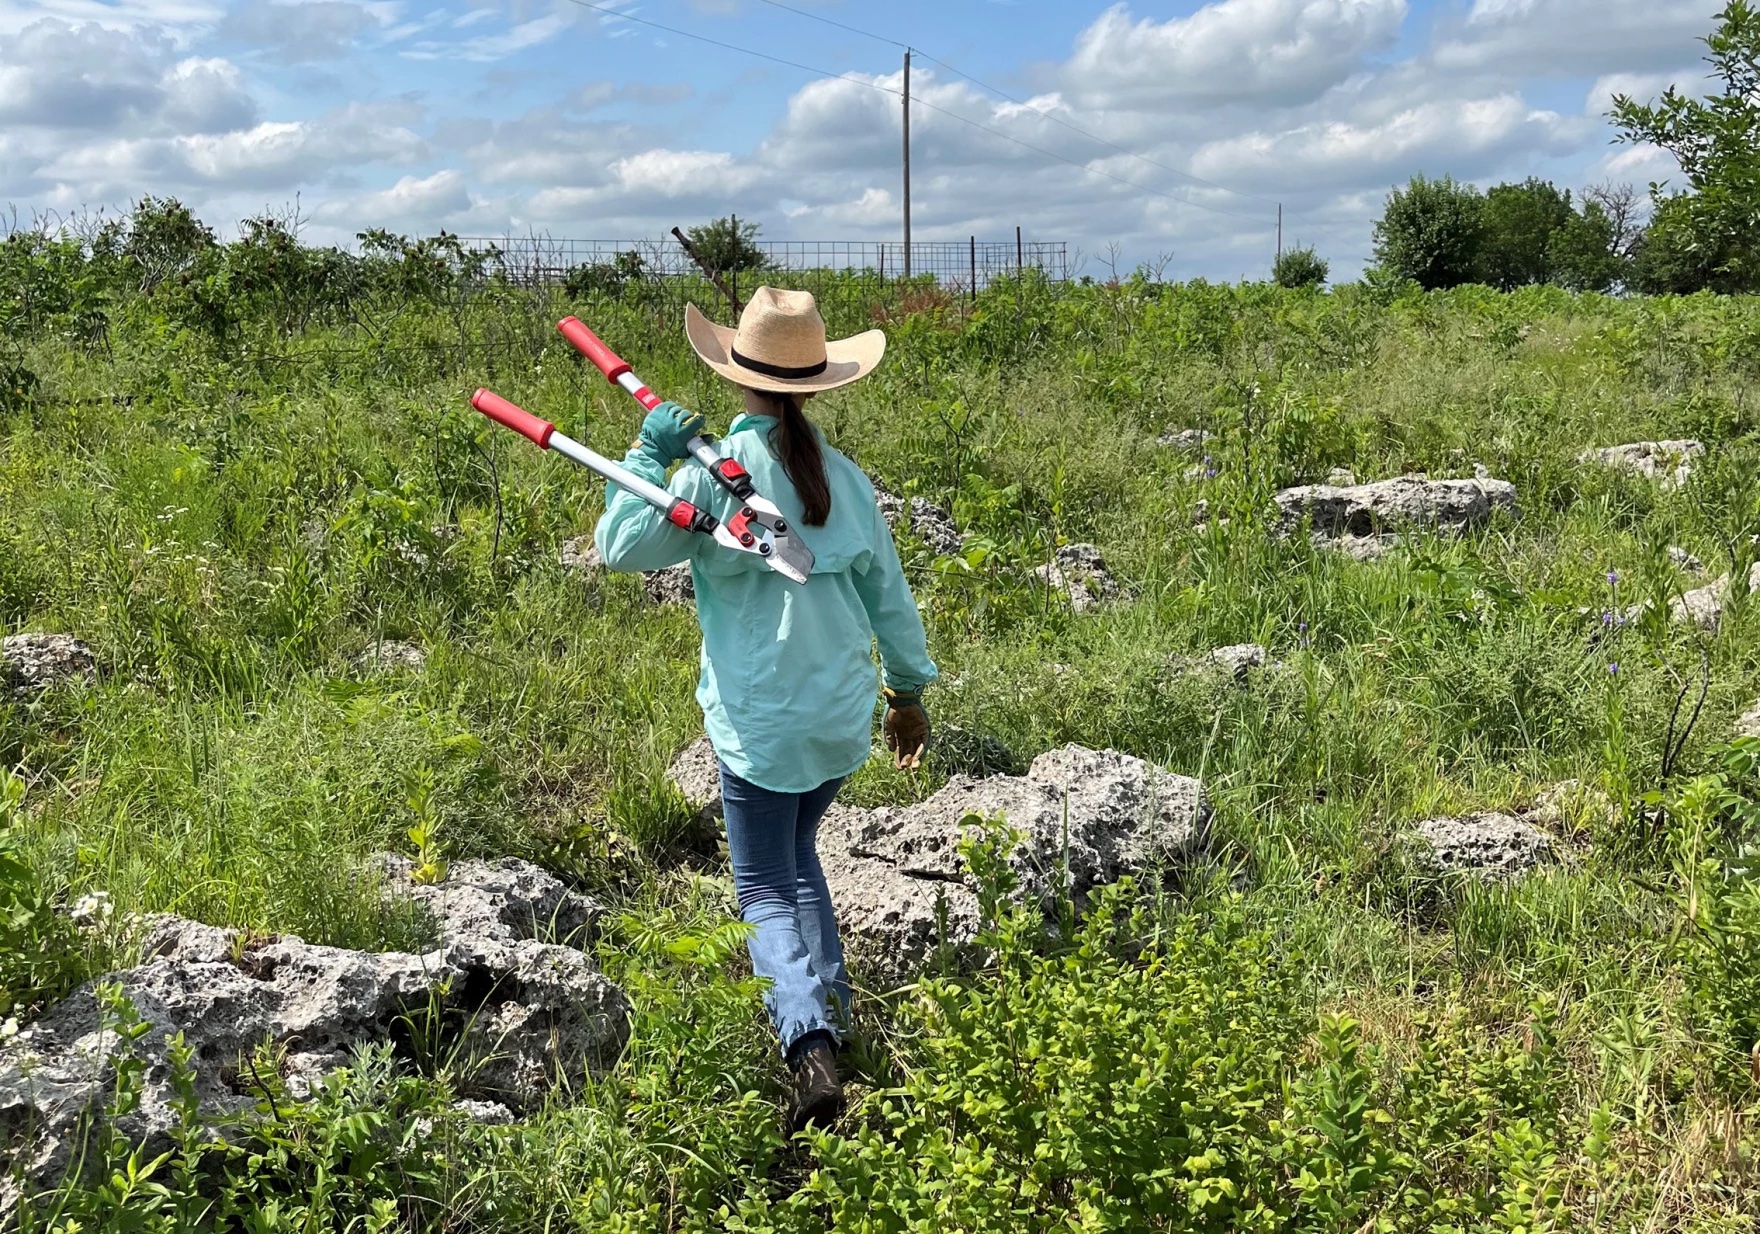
(787, 686)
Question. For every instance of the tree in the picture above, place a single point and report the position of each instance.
(1431, 232)
(1622, 205)
(1715, 226)
(164, 239)
(1583, 254)
(729, 247)
(1299, 267)
(1667, 258)
(1518, 224)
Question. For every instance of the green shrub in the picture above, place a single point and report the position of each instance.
(41, 953)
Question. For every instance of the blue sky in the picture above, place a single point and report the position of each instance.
(486, 117)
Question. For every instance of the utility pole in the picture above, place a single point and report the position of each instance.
(907, 164)
(1280, 231)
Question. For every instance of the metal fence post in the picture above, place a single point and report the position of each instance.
(974, 269)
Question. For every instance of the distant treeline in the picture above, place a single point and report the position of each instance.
(1700, 232)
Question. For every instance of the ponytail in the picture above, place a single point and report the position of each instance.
(797, 446)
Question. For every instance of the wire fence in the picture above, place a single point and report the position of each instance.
(954, 265)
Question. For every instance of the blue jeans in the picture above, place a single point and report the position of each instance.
(771, 838)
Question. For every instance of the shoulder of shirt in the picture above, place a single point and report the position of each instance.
(838, 459)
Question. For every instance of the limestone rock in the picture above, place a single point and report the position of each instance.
(1703, 606)
(392, 656)
(1086, 818)
(501, 901)
(1748, 723)
(31, 663)
(673, 585)
(1685, 560)
(580, 555)
(1368, 513)
(1570, 805)
(1079, 572)
(1362, 548)
(1186, 439)
(924, 519)
(696, 773)
(523, 1011)
(1670, 463)
(1239, 659)
(1491, 846)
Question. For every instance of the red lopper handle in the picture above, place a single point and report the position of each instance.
(514, 417)
(593, 348)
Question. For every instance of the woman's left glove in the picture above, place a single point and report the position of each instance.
(906, 727)
(665, 431)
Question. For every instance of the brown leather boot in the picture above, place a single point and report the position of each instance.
(818, 1096)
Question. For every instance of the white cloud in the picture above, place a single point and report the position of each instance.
(1643, 87)
(431, 200)
(1466, 137)
(88, 77)
(274, 156)
(677, 173)
(488, 47)
(1576, 38)
(301, 31)
(1234, 51)
(160, 16)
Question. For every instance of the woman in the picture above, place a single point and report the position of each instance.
(787, 684)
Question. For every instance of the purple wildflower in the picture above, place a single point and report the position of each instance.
(1613, 578)
(1613, 668)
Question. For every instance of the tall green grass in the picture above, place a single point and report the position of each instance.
(1362, 1046)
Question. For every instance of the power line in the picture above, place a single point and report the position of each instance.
(867, 34)
(1055, 119)
(874, 85)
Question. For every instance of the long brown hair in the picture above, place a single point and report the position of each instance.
(797, 446)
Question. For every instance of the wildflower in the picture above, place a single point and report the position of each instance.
(1613, 668)
(1613, 578)
(93, 909)
(1209, 473)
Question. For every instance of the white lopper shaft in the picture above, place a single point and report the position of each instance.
(573, 450)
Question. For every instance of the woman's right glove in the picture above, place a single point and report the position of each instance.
(665, 431)
(906, 727)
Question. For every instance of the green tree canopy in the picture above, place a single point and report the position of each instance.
(729, 246)
(1299, 267)
(1431, 232)
(1519, 222)
(1711, 231)
(1582, 254)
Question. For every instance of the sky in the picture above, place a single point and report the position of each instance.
(1154, 132)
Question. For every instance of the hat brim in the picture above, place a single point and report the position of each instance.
(846, 359)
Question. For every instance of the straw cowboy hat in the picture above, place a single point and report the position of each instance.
(780, 345)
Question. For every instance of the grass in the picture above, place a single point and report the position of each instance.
(1358, 1047)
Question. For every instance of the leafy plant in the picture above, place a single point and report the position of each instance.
(1716, 142)
(41, 955)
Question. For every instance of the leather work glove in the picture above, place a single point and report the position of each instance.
(665, 431)
(906, 727)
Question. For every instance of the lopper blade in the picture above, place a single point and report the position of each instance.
(789, 557)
